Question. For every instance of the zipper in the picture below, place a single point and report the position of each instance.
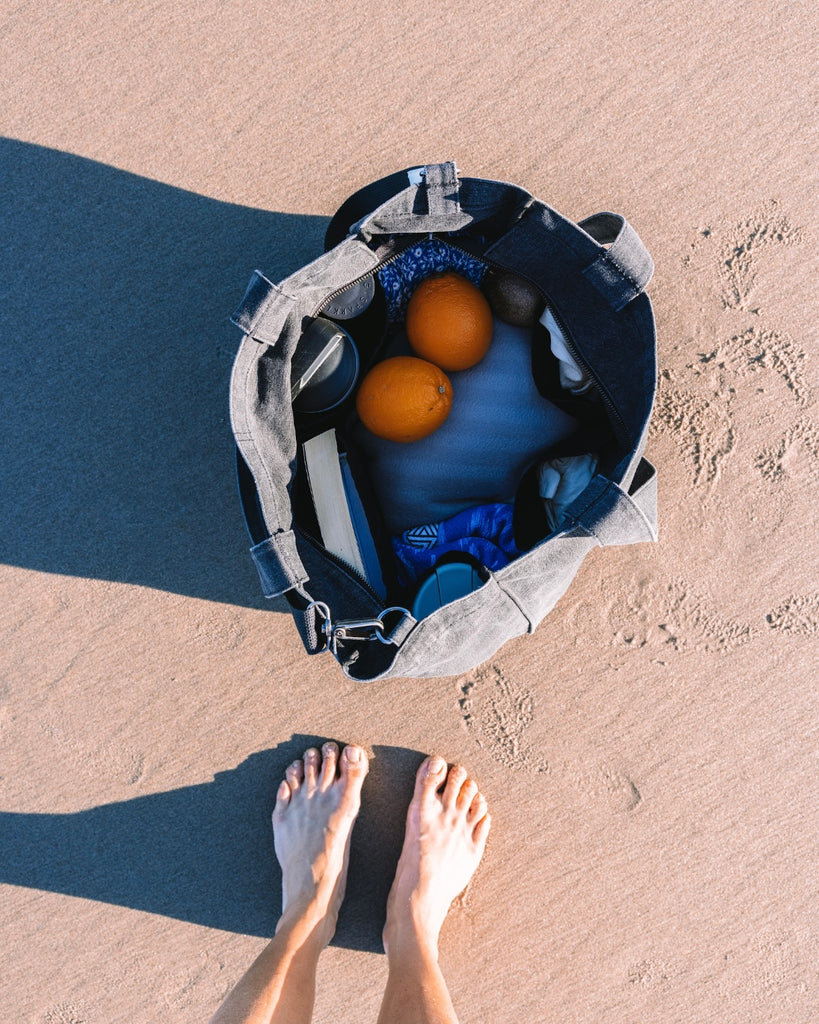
(340, 563)
(362, 277)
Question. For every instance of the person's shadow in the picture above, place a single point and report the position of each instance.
(115, 357)
(204, 853)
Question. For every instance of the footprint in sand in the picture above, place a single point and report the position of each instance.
(66, 1013)
(794, 458)
(796, 616)
(746, 355)
(701, 427)
(498, 712)
(780, 967)
(738, 250)
(741, 249)
(650, 974)
(605, 784)
(673, 615)
(702, 419)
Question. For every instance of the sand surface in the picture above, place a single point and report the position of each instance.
(650, 753)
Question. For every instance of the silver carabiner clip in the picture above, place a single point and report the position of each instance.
(350, 629)
(346, 629)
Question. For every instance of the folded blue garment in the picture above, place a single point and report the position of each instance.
(401, 277)
(485, 532)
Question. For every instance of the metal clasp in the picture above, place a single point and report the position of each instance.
(350, 629)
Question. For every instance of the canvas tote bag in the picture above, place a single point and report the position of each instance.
(591, 278)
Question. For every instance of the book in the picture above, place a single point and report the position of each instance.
(342, 521)
(361, 526)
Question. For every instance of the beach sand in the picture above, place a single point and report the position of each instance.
(649, 754)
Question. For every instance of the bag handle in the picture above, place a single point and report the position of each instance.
(431, 202)
(622, 270)
(616, 516)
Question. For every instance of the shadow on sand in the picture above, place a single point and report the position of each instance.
(204, 853)
(115, 352)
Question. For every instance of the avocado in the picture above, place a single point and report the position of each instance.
(512, 298)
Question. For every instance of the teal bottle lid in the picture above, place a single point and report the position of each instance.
(446, 583)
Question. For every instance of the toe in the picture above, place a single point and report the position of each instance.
(295, 775)
(312, 763)
(329, 764)
(282, 800)
(465, 797)
(354, 764)
(477, 809)
(455, 780)
(481, 831)
(430, 777)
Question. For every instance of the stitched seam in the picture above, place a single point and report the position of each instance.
(623, 272)
(520, 608)
(278, 540)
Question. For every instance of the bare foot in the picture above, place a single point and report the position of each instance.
(316, 807)
(447, 826)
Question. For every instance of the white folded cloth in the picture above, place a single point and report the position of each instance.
(572, 378)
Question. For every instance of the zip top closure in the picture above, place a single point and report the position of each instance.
(342, 564)
(362, 277)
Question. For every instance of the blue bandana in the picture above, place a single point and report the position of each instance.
(400, 278)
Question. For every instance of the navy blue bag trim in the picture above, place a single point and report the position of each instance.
(278, 564)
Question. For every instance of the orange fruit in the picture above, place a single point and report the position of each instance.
(449, 322)
(404, 399)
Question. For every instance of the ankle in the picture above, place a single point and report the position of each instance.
(409, 939)
(305, 923)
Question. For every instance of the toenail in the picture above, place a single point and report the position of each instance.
(329, 748)
(353, 754)
(436, 766)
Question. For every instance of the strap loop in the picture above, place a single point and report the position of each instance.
(623, 270)
(438, 191)
(615, 516)
(442, 189)
(263, 311)
(278, 564)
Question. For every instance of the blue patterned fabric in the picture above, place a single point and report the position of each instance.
(484, 532)
(400, 278)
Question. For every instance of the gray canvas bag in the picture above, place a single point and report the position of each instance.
(592, 275)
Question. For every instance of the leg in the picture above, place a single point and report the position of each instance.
(315, 810)
(447, 826)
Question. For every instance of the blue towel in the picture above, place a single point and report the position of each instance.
(485, 532)
(499, 426)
